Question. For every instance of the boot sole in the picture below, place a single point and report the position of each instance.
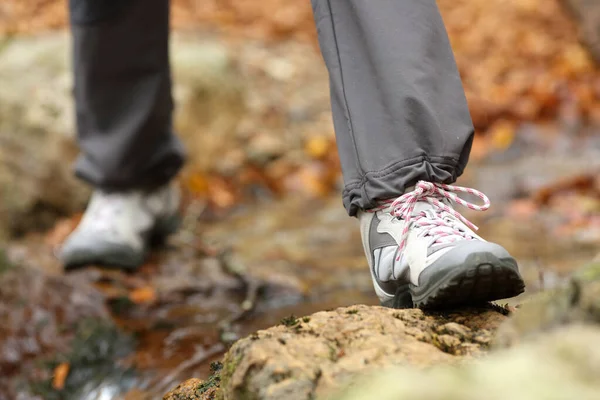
(483, 277)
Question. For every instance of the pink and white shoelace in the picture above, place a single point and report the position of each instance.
(432, 193)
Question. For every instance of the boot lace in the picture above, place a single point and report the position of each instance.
(439, 222)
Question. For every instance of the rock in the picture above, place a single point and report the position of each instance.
(37, 123)
(456, 329)
(554, 354)
(562, 365)
(36, 135)
(34, 307)
(39, 315)
(373, 352)
(189, 390)
(308, 357)
(209, 93)
(197, 389)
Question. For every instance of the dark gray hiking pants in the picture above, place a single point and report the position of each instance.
(399, 108)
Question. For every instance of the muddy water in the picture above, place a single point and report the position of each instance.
(221, 280)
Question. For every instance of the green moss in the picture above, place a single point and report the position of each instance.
(435, 341)
(214, 381)
(352, 312)
(588, 273)
(94, 351)
(5, 265)
(290, 321)
(333, 352)
(230, 364)
(216, 366)
(306, 320)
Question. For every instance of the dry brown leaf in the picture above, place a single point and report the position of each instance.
(60, 376)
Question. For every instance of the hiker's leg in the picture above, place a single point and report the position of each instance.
(399, 107)
(401, 119)
(124, 120)
(123, 93)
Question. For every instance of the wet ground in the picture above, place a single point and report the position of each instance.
(224, 276)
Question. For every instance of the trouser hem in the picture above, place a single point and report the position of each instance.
(391, 181)
(169, 162)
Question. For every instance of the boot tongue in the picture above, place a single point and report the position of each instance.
(427, 208)
(422, 206)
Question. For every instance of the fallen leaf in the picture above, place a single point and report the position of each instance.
(198, 184)
(221, 193)
(317, 147)
(110, 290)
(143, 295)
(502, 135)
(522, 209)
(311, 180)
(63, 228)
(60, 376)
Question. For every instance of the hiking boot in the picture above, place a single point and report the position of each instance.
(117, 228)
(422, 253)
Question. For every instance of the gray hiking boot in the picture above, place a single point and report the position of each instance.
(423, 253)
(117, 228)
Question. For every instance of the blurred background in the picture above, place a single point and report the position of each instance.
(265, 234)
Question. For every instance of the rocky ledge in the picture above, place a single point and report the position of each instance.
(304, 358)
(545, 350)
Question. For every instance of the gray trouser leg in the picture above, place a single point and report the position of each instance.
(399, 108)
(123, 93)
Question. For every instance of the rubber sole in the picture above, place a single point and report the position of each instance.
(481, 278)
(122, 259)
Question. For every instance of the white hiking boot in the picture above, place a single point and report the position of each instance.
(423, 253)
(118, 227)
